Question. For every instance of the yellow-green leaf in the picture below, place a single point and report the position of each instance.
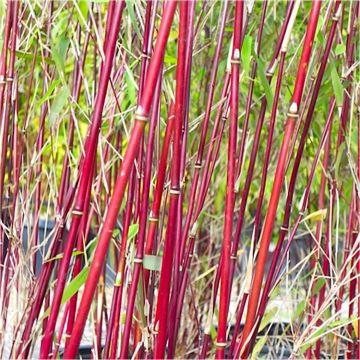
(258, 347)
(268, 317)
(316, 215)
(246, 53)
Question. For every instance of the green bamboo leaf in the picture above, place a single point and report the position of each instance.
(246, 53)
(116, 233)
(58, 104)
(60, 256)
(264, 82)
(29, 56)
(171, 60)
(140, 301)
(317, 333)
(269, 315)
(72, 288)
(316, 215)
(134, 22)
(299, 310)
(131, 85)
(340, 49)
(133, 230)
(258, 347)
(59, 50)
(318, 285)
(49, 93)
(213, 332)
(314, 336)
(338, 88)
(152, 262)
(84, 8)
(341, 158)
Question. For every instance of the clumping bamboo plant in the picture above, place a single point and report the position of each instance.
(179, 179)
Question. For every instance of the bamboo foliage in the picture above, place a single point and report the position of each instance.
(179, 179)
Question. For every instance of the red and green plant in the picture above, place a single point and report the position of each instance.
(179, 179)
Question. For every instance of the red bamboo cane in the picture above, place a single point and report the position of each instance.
(230, 184)
(279, 175)
(88, 163)
(121, 182)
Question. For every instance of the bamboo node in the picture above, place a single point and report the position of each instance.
(138, 260)
(153, 219)
(77, 212)
(233, 257)
(234, 61)
(284, 228)
(197, 166)
(10, 79)
(220, 344)
(140, 116)
(175, 192)
(292, 115)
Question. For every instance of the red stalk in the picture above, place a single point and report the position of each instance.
(270, 72)
(177, 288)
(311, 108)
(121, 182)
(272, 122)
(245, 192)
(160, 180)
(230, 183)
(62, 203)
(142, 220)
(245, 126)
(84, 179)
(39, 146)
(113, 326)
(254, 152)
(273, 276)
(172, 234)
(3, 67)
(279, 176)
(5, 120)
(205, 125)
